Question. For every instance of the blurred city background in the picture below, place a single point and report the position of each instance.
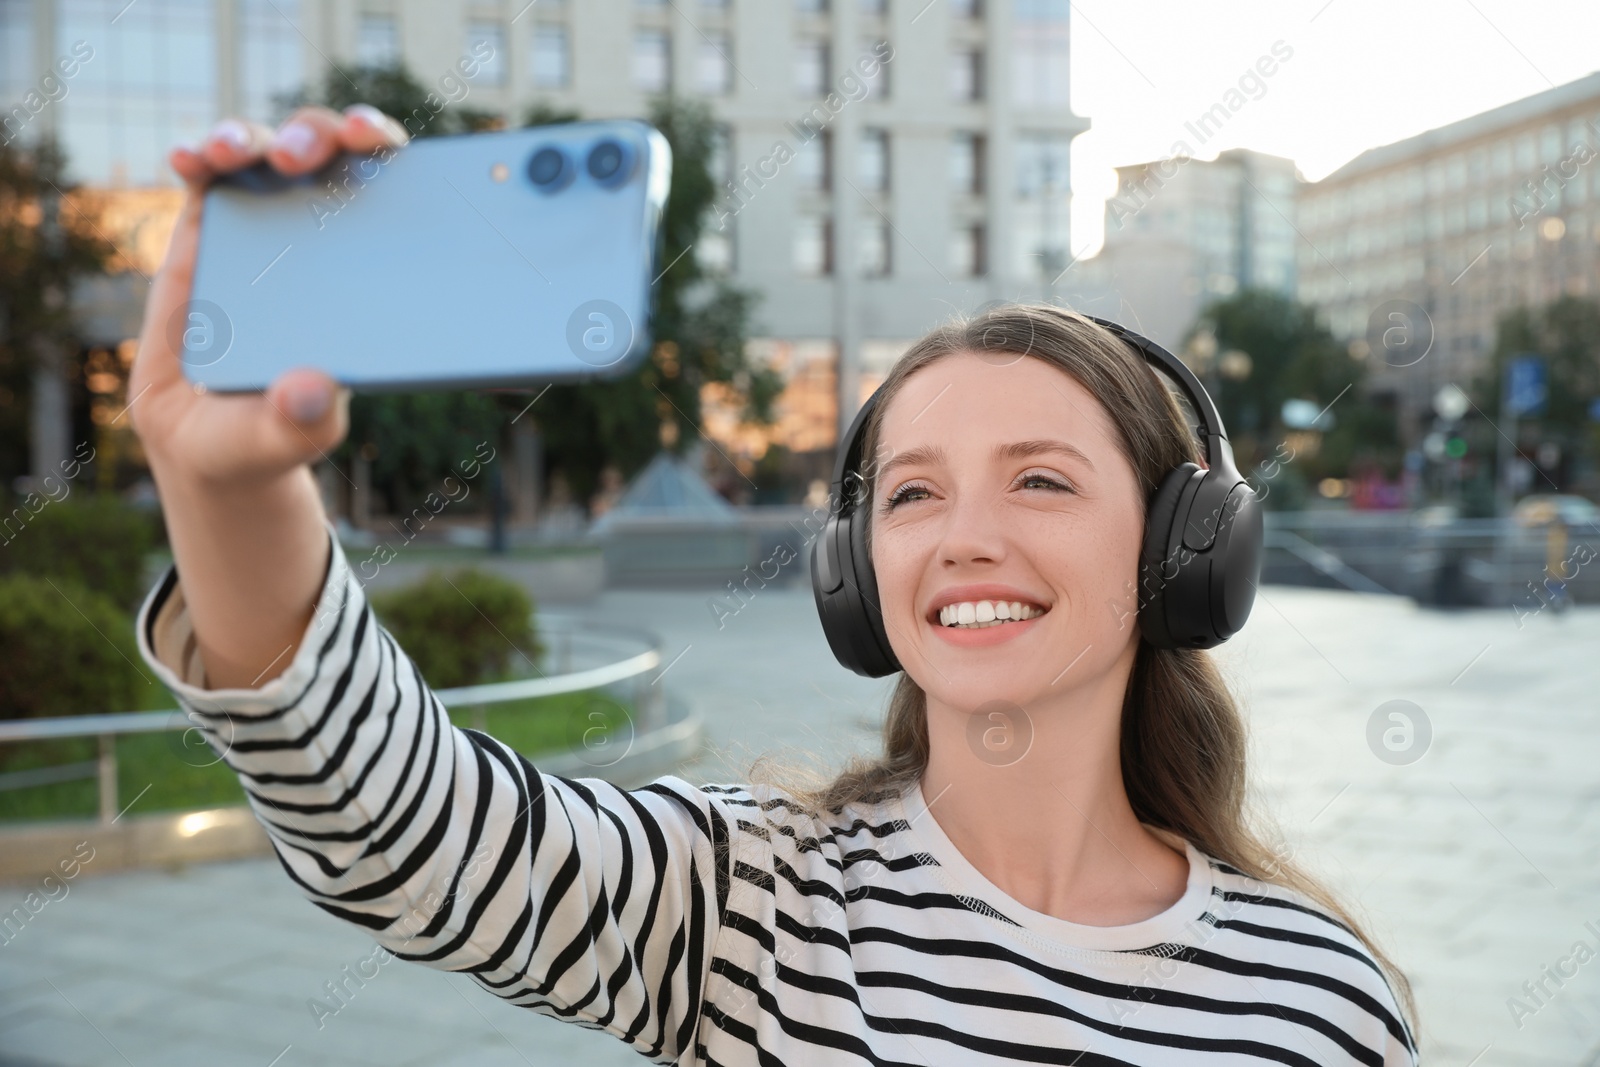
(1375, 234)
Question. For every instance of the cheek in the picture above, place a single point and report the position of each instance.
(897, 562)
(1096, 572)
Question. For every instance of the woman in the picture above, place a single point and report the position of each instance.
(1086, 891)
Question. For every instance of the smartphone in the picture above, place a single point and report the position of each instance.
(502, 258)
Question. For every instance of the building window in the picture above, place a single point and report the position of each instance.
(16, 47)
(551, 69)
(652, 61)
(874, 159)
(966, 163)
(1041, 164)
(715, 73)
(271, 54)
(377, 41)
(1040, 52)
(491, 71)
(811, 68)
(719, 156)
(966, 74)
(1550, 144)
(878, 83)
(813, 246)
(813, 161)
(966, 250)
(874, 251)
(966, 9)
(1525, 153)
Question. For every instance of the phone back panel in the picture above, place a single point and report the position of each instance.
(445, 267)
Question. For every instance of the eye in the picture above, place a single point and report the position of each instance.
(895, 498)
(1053, 483)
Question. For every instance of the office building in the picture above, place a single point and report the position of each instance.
(885, 162)
(1463, 222)
(1181, 233)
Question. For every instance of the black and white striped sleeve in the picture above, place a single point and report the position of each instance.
(569, 896)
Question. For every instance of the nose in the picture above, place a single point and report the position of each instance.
(972, 532)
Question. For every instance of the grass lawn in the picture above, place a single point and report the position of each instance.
(178, 771)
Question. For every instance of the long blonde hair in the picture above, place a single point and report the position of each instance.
(1183, 739)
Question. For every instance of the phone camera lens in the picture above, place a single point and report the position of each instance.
(550, 169)
(610, 162)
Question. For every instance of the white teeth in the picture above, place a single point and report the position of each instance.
(977, 614)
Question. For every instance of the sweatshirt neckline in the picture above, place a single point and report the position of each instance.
(1174, 925)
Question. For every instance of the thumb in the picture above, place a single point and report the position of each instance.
(314, 403)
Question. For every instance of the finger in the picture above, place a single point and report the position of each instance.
(234, 143)
(366, 129)
(307, 411)
(158, 362)
(189, 164)
(306, 140)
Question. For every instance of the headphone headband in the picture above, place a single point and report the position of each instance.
(1213, 435)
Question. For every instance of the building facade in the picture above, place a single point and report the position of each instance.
(884, 162)
(1181, 233)
(1439, 234)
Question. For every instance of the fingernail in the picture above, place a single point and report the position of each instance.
(368, 114)
(308, 403)
(233, 132)
(377, 120)
(295, 139)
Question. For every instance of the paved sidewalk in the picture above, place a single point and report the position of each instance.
(1479, 864)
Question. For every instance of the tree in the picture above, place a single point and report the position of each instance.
(1566, 333)
(700, 326)
(47, 242)
(1293, 356)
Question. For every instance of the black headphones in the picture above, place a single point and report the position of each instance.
(1198, 568)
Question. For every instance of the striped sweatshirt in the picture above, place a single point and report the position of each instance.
(725, 924)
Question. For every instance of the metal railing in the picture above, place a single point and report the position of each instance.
(576, 649)
(1492, 563)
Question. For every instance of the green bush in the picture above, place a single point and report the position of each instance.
(68, 650)
(463, 628)
(96, 540)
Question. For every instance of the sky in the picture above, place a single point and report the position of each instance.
(1359, 73)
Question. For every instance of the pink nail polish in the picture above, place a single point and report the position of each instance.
(233, 132)
(296, 138)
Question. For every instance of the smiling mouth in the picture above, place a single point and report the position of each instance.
(980, 614)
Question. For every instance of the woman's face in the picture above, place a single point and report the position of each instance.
(1007, 487)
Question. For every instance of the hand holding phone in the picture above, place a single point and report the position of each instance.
(243, 513)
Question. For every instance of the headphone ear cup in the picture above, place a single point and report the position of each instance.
(878, 658)
(1198, 597)
(1158, 566)
(847, 598)
(1237, 572)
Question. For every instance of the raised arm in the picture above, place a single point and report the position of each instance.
(242, 510)
(568, 896)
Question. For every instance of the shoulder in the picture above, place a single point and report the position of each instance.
(1279, 934)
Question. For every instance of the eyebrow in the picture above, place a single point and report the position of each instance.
(935, 454)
